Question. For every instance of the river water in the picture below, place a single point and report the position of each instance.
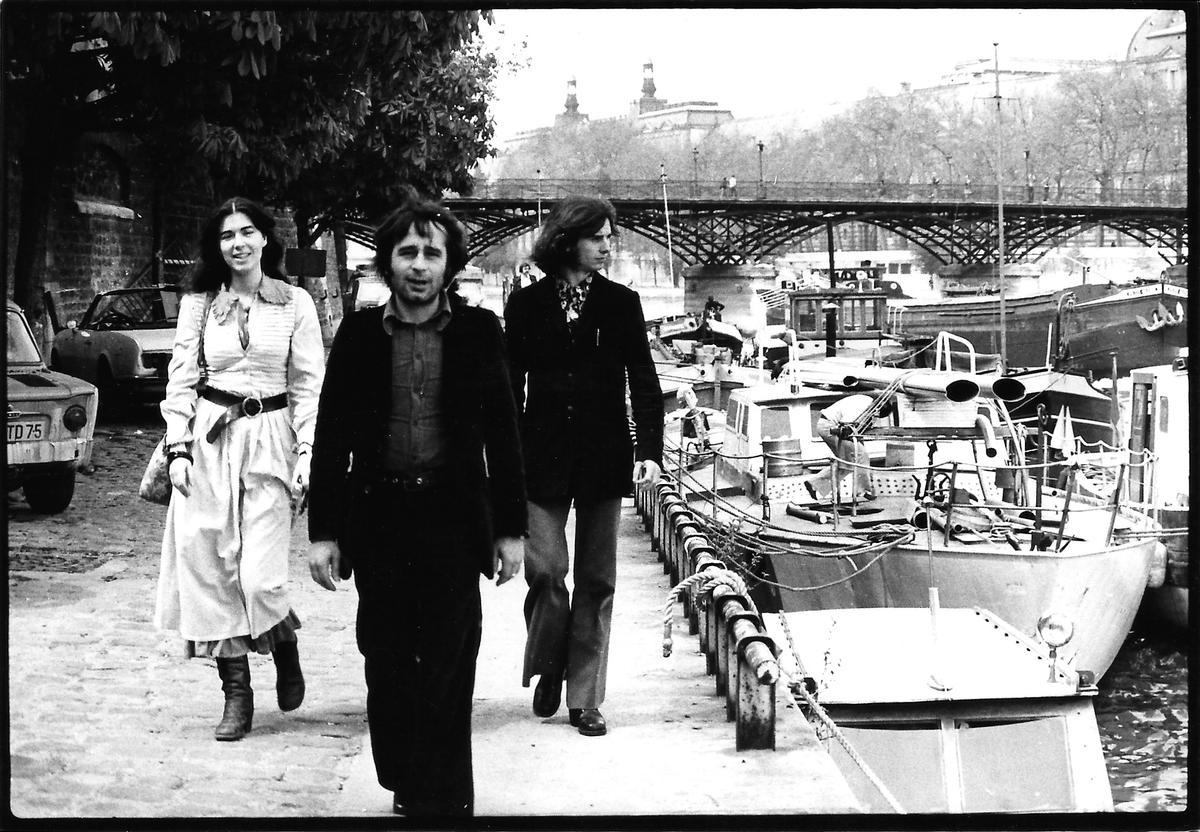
(1142, 713)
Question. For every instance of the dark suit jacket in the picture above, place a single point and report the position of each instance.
(352, 425)
(570, 391)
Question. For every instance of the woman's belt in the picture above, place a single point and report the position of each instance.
(238, 406)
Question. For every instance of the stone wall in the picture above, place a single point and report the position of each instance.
(100, 229)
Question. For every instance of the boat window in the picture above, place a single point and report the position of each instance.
(850, 315)
(906, 268)
(906, 757)
(776, 423)
(873, 314)
(804, 316)
(996, 775)
(735, 417)
(1162, 414)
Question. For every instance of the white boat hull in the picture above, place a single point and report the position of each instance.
(1098, 588)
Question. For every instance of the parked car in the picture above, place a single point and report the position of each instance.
(368, 289)
(122, 344)
(51, 418)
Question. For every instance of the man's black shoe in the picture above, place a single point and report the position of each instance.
(547, 695)
(589, 721)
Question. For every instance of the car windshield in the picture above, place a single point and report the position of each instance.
(142, 309)
(21, 347)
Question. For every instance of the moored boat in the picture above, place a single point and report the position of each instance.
(946, 710)
(1143, 323)
(955, 503)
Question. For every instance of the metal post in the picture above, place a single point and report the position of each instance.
(1000, 217)
(695, 172)
(1028, 181)
(662, 176)
(829, 243)
(762, 185)
(539, 197)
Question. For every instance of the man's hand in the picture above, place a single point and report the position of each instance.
(510, 553)
(646, 472)
(300, 475)
(324, 561)
(180, 471)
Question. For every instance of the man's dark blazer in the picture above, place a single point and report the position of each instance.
(352, 427)
(570, 390)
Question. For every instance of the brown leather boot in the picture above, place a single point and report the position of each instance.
(239, 699)
(289, 681)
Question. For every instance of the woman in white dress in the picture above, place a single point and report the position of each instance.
(241, 402)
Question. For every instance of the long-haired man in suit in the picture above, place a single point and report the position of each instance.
(575, 341)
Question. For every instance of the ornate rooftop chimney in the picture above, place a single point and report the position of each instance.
(648, 88)
(571, 107)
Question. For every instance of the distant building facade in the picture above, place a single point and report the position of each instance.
(664, 122)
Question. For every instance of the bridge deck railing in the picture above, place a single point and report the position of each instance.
(882, 192)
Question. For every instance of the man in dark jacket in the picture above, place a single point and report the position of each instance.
(575, 339)
(417, 483)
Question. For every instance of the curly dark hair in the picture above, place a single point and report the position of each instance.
(417, 213)
(572, 219)
(211, 272)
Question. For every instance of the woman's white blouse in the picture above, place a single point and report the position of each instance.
(284, 353)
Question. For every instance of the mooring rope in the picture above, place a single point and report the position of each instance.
(711, 578)
(814, 707)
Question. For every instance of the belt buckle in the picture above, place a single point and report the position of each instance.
(252, 405)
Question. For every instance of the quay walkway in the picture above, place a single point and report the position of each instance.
(108, 720)
(669, 749)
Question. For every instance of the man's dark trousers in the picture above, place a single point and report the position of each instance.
(419, 625)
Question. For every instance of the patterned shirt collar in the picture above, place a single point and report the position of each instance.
(572, 298)
(270, 290)
(439, 320)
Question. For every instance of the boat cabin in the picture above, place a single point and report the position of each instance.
(771, 444)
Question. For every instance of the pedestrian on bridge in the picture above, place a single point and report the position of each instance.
(240, 405)
(417, 488)
(575, 341)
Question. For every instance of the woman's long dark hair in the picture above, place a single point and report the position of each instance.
(211, 272)
(570, 221)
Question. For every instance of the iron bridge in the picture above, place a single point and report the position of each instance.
(708, 224)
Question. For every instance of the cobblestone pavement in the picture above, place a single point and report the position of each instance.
(106, 716)
(108, 720)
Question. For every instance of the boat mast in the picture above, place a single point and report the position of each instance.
(1000, 214)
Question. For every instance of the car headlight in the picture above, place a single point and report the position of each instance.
(1055, 629)
(74, 418)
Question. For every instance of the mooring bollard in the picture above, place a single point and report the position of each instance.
(703, 559)
(676, 513)
(756, 692)
(723, 605)
(738, 625)
(666, 501)
(686, 528)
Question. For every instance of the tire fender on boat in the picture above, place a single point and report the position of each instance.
(1158, 566)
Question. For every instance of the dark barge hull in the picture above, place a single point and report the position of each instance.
(1101, 320)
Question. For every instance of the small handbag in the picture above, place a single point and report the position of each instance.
(155, 486)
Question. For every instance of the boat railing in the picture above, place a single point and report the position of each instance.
(1005, 498)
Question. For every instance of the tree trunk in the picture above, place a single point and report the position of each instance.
(38, 161)
(343, 271)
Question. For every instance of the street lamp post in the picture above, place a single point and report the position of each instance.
(695, 172)
(539, 196)
(662, 177)
(1028, 181)
(762, 185)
